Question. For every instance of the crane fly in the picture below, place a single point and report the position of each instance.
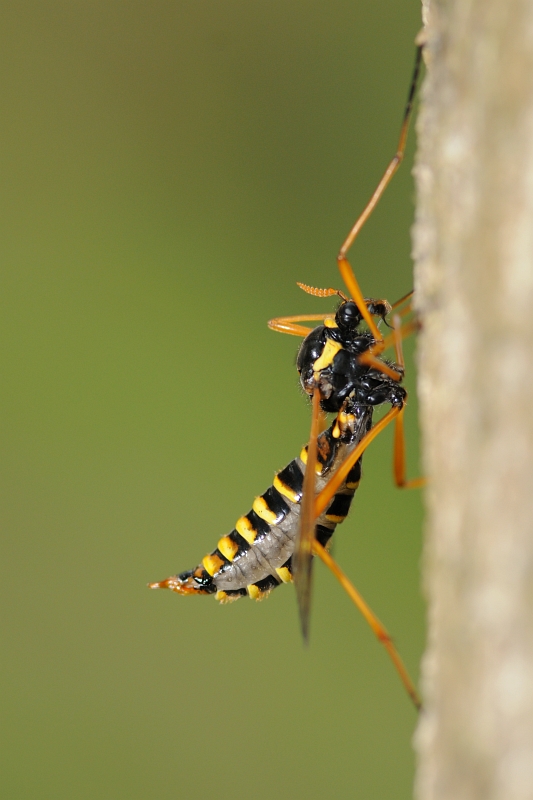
(344, 372)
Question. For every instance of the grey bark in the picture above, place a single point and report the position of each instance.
(473, 242)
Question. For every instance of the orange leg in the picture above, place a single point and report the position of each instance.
(321, 503)
(324, 498)
(399, 468)
(399, 465)
(287, 324)
(379, 629)
(344, 266)
(402, 300)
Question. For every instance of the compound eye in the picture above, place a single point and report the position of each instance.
(348, 315)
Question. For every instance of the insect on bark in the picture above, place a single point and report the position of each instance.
(343, 371)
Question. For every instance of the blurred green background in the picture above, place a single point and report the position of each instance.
(170, 170)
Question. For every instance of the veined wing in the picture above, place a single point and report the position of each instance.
(302, 561)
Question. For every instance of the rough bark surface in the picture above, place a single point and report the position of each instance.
(474, 280)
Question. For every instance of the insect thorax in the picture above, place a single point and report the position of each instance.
(329, 360)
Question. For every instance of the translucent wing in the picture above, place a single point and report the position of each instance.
(302, 558)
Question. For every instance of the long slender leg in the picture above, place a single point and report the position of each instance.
(324, 497)
(403, 300)
(399, 465)
(399, 462)
(344, 266)
(321, 503)
(377, 626)
(287, 324)
(307, 544)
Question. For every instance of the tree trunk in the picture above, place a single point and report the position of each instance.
(474, 286)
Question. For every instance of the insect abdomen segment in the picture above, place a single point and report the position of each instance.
(255, 556)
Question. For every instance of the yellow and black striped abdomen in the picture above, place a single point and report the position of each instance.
(255, 556)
